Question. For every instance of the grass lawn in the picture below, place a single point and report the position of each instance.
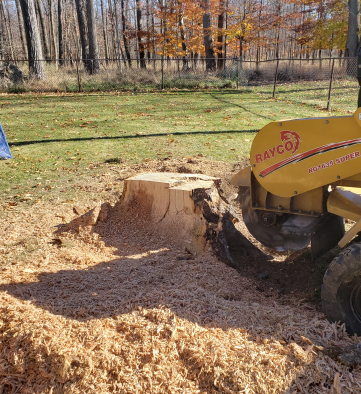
(343, 99)
(62, 140)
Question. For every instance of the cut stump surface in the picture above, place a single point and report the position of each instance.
(174, 204)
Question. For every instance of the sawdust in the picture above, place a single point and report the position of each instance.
(113, 307)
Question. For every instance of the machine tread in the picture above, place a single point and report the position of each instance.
(342, 269)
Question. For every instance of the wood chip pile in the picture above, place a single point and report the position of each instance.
(114, 308)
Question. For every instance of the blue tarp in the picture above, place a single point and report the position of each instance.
(4, 147)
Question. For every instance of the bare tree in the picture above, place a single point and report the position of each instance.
(112, 46)
(7, 28)
(52, 26)
(21, 26)
(60, 33)
(1, 44)
(35, 53)
(182, 33)
(44, 34)
(221, 38)
(139, 37)
(353, 28)
(92, 33)
(105, 33)
(125, 39)
(83, 36)
(208, 39)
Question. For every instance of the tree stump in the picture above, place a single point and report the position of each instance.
(174, 205)
(188, 209)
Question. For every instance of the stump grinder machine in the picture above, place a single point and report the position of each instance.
(303, 181)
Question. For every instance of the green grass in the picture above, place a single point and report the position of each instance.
(62, 141)
(343, 99)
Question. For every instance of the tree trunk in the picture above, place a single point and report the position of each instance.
(1, 46)
(52, 25)
(153, 36)
(139, 37)
(93, 42)
(225, 36)
(7, 28)
(208, 40)
(120, 52)
(277, 42)
(353, 28)
(83, 36)
(105, 34)
(44, 35)
(182, 34)
(125, 40)
(35, 54)
(21, 26)
(1, 41)
(67, 35)
(352, 34)
(221, 40)
(112, 49)
(148, 29)
(241, 38)
(60, 33)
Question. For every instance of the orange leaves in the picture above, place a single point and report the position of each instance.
(293, 25)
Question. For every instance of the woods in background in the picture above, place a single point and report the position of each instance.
(144, 30)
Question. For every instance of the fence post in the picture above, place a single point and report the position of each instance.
(330, 87)
(162, 72)
(237, 73)
(78, 74)
(275, 81)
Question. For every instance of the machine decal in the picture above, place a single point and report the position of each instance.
(321, 166)
(351, 156)
(330, 163)
(291, 142)
(310, 153)
(291, 138)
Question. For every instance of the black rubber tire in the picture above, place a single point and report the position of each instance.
(341, 289)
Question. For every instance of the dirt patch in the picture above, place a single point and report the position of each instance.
(285, 273)
(114, 307)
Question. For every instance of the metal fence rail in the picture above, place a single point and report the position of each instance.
(117, 74)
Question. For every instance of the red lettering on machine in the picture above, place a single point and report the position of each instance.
(348, 157)
(321, 166)
(290, 143)
(330, 163)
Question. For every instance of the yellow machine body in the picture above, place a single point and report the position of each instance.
(291, 157)
(305, 167)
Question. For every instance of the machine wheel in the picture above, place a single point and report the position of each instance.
(341, 289)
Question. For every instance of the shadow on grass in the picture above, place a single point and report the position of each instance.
(173, 133)
(284, 90)
(240, 106)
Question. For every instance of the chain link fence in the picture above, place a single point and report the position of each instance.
(329, 83)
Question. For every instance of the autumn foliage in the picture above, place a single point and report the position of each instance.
(144, 29)
(261, 29)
